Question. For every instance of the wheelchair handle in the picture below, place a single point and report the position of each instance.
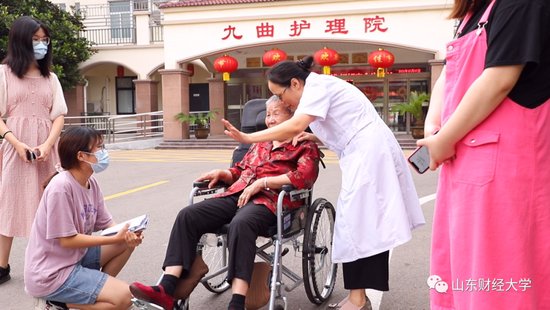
(204, 184)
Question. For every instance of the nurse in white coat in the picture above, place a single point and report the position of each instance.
(378, 206)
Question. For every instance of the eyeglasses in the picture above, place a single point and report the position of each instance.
(100, 147)
(36, 40)
(281, 95)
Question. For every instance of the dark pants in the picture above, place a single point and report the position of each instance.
(369, 272)
(245, 225)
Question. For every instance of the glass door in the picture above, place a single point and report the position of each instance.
(235, 103)
(237, 96)
(374, 90)
(397, 93)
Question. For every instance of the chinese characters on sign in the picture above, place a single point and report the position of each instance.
(231, 30)
(373, 24)
(334, 26)
(487, 285)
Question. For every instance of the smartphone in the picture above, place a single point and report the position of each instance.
(31, 156)
(420, 159)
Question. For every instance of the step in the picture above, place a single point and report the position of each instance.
(406, 144)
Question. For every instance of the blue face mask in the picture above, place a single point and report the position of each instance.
(102, 161)
(40, 50)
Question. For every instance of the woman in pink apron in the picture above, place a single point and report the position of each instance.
(491, 105)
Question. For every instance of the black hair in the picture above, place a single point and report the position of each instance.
(282, 72)
(72, 141)
(20, 49)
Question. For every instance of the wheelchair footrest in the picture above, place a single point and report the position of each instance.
(144, 305)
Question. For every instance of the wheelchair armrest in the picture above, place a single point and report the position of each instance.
(201, 188)
(294, 194)
(204, 184)
(288, 188)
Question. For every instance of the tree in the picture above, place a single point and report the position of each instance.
(69, 49)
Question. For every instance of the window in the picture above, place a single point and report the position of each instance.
(121, 18)
(125, 95)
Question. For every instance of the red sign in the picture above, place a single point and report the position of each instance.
(333, 26)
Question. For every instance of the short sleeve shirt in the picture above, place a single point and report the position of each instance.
(518, 32)
(340, 110)
(66, 209)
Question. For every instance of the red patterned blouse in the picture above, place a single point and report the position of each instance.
(300, 163)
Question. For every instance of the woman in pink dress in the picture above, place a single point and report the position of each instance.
(491, 230)
(32, 98)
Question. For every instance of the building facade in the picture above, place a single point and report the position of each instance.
(160, 56)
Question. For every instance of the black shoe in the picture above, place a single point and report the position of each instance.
(55, 305)
(4, 274)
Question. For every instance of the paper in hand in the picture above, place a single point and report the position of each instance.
(136, 224)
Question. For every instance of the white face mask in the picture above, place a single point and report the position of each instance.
(40, 50)
(102, 161)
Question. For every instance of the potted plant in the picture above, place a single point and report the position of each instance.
(200, 119)
(414, 107)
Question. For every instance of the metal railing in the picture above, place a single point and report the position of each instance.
(110, 36)
(122, 128)
(157, 33)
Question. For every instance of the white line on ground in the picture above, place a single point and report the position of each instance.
(376, 296)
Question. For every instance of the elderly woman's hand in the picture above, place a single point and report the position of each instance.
(250, 191)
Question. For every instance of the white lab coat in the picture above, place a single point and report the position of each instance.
(378, 206)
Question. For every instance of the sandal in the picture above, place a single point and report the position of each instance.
(338, 305)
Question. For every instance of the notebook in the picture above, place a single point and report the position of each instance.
(136, 224)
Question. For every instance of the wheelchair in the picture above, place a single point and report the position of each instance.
(309, 229)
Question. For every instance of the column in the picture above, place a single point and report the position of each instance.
(175, 99)
(143, 32)
(147, 101)
(216, 91)
(146, 96)
(436, 68)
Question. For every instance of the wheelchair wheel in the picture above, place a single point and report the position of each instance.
(318, 270)
(213, 250)
(182, 305)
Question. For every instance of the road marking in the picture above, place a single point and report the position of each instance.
(425, 199)
(376, 296)
(134, 190)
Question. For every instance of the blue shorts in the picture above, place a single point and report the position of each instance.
(85, 281)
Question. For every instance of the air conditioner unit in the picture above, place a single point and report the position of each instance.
(94, 106)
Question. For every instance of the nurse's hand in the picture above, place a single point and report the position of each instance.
(440, 150)
(234, 133)
(305, 136)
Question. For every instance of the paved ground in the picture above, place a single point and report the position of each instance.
(157, 182)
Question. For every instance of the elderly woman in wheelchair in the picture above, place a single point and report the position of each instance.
(248, 205)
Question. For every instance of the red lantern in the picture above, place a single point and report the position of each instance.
(273, 56)
(120, 71)
(226, 64)
(326, 58)
(381, 59)
(191, 68)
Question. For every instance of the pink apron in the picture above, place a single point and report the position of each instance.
(491, 231)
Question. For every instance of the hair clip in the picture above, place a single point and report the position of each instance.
(58, 167)
(302, 63)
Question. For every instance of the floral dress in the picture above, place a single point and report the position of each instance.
(29, 105)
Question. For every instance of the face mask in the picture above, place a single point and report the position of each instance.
(40, 50)
(102, 161)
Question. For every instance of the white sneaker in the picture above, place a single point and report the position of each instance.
(39, 304)
(42, 304)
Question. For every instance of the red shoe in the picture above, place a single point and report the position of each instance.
(147, 293)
